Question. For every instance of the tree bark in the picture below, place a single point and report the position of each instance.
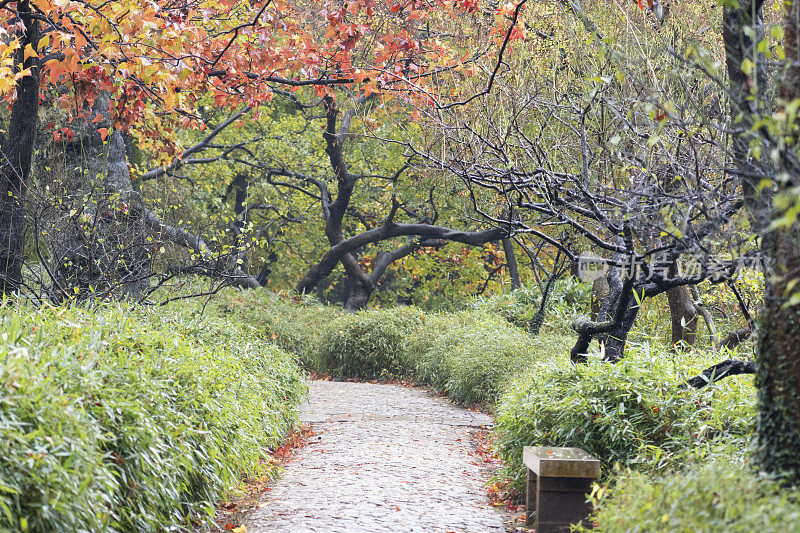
(731, 367)
(617, 315)
(537, 320)
(778, 360)
(778, 375)
(683, 315)
(613, 341)
(511, 263)
(600, 290)
(16, 153)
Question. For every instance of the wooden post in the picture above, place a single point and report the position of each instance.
(559, 480)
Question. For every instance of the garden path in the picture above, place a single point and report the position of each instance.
(382, 458)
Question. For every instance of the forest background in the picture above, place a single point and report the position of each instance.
(429, 156)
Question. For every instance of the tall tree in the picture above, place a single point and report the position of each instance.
(778, 360)
(17, 148)
(159, 62)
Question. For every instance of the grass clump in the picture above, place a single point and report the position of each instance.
(118, 420)
(472, 355)
(295, 323)
(633, 413)
(709, 497)
(368, 344)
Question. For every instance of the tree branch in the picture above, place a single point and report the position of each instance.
(719, 371)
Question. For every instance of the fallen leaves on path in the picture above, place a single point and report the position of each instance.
(231, 513)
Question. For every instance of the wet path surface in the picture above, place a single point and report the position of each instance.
(382, 458)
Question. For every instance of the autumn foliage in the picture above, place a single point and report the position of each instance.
(159, 59)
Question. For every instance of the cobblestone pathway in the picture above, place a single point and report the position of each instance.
(383, 458)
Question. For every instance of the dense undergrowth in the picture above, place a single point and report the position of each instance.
(141, 420)
(138, 420)
(661, 444)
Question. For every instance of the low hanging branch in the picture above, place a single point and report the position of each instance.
(720, 371)
(587, 329)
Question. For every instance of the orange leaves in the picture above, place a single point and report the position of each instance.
(503, 19)
(64, 134)
(159, 59)
(323, 91)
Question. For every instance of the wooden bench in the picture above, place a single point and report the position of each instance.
(558, 481)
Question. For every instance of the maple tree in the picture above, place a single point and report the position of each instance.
(151, 63)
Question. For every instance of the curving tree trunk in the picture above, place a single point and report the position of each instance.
(614, 340)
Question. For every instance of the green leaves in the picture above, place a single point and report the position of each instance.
(632, 412)
(125, 421)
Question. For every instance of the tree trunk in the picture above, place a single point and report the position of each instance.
(96, 230)
(511, 263)
(358, 297)
(537, 320)
(778, 372)
(615, 318)
(778, 360)
(599, 292)
(613, 342)
(684, 317)
(16, 153)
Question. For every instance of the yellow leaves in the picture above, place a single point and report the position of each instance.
(43, 42)
(8, 76)
(21, 74)
(29, 52)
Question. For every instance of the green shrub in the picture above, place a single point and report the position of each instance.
(705, 498)
(569, 297)
(517, 306)
(368, 344)
(633, 412)
(472, 355)
(295, 323)
(120, 420)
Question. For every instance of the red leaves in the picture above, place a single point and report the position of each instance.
(296, 440)
(158, 62)
(64, 134)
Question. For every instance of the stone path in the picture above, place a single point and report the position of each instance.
(383, 458)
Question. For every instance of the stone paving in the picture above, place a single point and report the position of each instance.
(382, 458)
